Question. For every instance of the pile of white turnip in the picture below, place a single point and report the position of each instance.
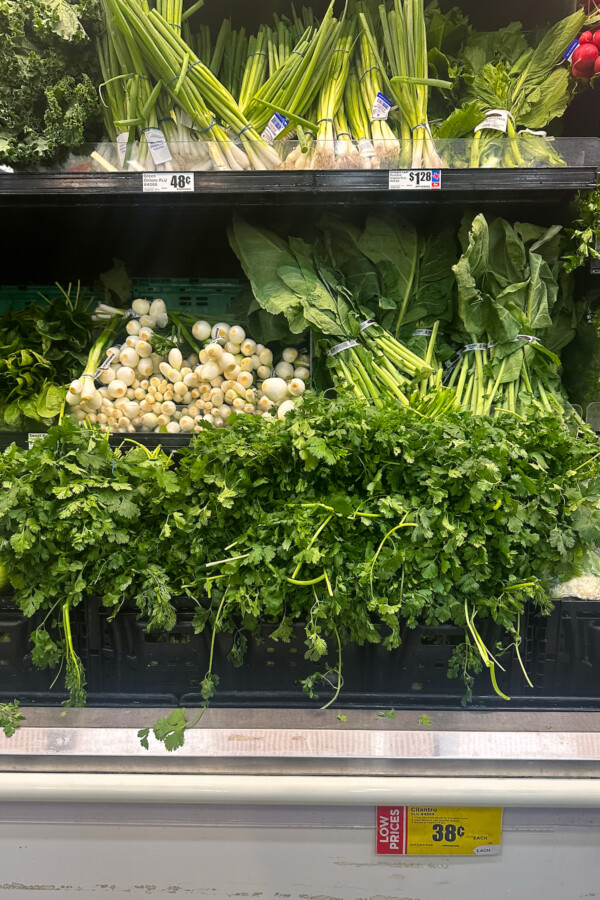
(136, 390)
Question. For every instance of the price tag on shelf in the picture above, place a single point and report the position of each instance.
(439, 831)
(416, 179)
(34, 436)
(168, 182)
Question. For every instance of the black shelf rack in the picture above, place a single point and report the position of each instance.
(258, 188)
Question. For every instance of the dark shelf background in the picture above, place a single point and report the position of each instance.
(76, 235)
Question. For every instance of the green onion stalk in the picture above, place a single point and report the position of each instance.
(186, 145)
(296, 85)
(359, 122)
(406, 47)
(346, 151)
(83, 389)
(301, 155)
(331, 98)
(273, 91)
(126, 71)
(191, 84)
(371, 81)
(255, 71)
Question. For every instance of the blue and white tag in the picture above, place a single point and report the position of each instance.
(276, 125)
(381, 108)
(571, 50)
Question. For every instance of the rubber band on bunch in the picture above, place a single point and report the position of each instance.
(244, 129)
(189, 69)
(372, 69)
(257, 53)
(211, 126)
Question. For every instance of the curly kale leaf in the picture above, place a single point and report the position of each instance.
(48, 99)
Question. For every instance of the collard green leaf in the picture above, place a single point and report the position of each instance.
(394, 248)
(262, 254)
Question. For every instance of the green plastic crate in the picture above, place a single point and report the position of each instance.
(205, 296)
(208, 297)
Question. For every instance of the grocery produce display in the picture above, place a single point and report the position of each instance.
(425, 465)
(385, 430)
(382, 86)
(396, 84)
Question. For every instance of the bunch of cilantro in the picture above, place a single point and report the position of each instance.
(48, 100)
(354, 521)
(80, 519)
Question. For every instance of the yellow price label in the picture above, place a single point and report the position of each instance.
(439, 830)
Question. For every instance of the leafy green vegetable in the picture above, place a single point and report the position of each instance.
(342, 718)
(388, 714)
(515, 309)
(10, 718)
(48, 98)
(584, 239)
(42, 348)
(357, 522)
(425, 720)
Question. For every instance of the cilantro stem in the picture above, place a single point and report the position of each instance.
(339, 671)
(312, 581)
(518, 652)
(403, 524)
(312, 541)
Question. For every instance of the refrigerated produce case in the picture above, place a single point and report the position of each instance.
(270, 796)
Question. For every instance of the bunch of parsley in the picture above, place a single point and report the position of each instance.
(48, 99)
(356, 522)
(79, 519)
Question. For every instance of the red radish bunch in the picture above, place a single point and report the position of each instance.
(586, 58)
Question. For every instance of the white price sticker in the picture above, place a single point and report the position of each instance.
(35, 436)
(168, 182)
(495, 120)
(416, 180)
(157, 144)
(122, 141)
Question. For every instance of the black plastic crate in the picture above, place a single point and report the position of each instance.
(19, 678)
(571, 658)
(125, 660)
(169, 442)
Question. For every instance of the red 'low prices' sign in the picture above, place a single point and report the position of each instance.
(391, 830)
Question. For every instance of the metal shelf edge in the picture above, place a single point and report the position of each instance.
(292, 183)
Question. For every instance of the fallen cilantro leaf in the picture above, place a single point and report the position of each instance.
(425, 720)
(388, 714)
(10, 718)
(343, 718)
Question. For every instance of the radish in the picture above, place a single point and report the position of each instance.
(585, 53)
(597, 38)
(581, 70)
(586, 38)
